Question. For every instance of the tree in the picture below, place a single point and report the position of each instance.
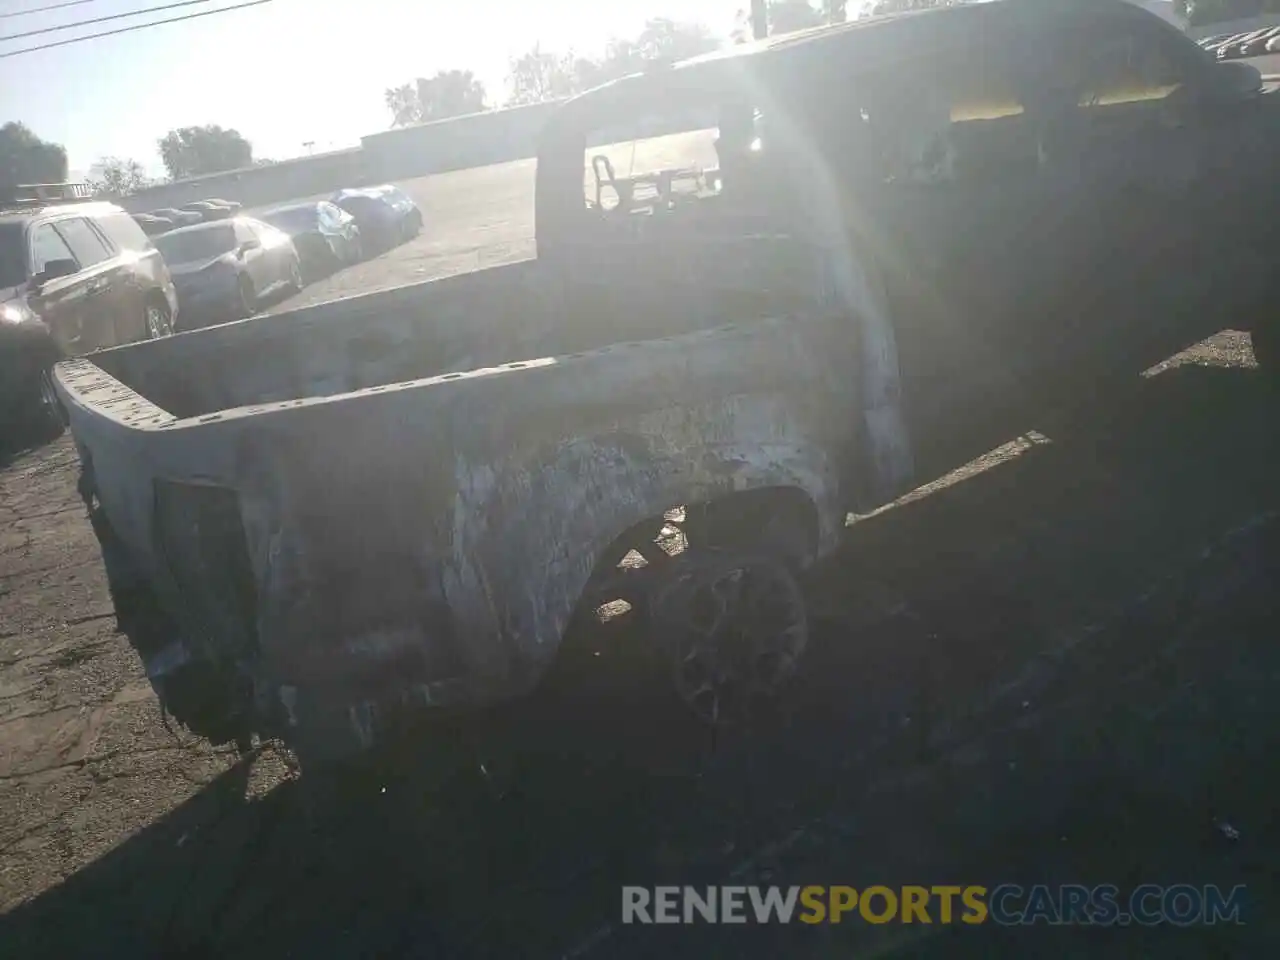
(25, 158)
(116, 177)
(545, 75)
(402, 101)
(902, 6)
(786, 16)
(195, 151)
(666, 39)
(450, 93)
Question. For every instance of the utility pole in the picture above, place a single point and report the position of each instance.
(759, 19)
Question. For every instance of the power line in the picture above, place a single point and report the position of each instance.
(112, 16)
(136, 26)
(52, 6)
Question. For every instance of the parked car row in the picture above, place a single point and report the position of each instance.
(226, 264)
(1233, 46)
(78, 276)
(157, 221)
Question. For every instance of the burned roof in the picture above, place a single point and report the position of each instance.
(770, 67)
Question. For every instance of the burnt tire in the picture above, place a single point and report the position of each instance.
(1266, 347)
(46, 418)
(247, 302)
(294, 276)
(678, 710)
(157, 319)
(37, 416)
(732, 626)
(51, 415)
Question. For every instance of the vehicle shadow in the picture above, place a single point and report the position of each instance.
(264, 307)
(268, 303)
(18, 441)
(922, 620)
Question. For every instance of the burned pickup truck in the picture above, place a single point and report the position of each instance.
(850, 260)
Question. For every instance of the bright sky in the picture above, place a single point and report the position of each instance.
(287, 72)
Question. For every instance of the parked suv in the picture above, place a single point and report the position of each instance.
(75, 276)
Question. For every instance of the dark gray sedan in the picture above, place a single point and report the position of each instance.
(325, 236)
(386, 215)
(208, 211)
(225, 269)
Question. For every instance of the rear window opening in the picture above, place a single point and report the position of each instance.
(641, 165)
(690, 165)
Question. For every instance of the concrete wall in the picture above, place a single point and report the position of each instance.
(255, 186)
(495, 136)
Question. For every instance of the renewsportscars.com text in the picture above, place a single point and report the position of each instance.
(1006, 905)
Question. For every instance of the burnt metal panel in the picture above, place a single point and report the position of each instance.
(201, 538)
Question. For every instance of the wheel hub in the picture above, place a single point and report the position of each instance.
(736, 631)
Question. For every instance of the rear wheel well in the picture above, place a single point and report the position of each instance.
(629, 643)
(780, 521)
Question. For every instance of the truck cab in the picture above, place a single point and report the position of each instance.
(1050, 195)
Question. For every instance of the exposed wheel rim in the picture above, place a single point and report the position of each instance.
(158, 324)
(737, 629)
(295, 275)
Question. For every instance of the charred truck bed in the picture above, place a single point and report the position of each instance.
(906, 239)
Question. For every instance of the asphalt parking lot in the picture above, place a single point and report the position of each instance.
(1059, 667)
(473, 219)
